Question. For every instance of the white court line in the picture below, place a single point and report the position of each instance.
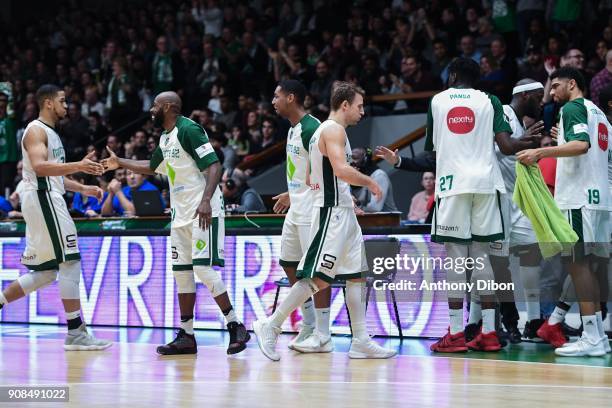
(171, 382)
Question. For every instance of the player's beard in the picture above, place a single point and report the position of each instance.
(158, 120)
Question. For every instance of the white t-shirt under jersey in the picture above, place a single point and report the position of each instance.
(507, 163)
(461, 126)
(55, 154)
(328, 190)
(300, 211)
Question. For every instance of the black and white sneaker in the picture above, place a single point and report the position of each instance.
(183, 344)
(239, 337)
(530, 333)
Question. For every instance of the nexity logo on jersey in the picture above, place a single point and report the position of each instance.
(602, 136)
(460, 120)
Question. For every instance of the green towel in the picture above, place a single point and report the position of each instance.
(532, 196)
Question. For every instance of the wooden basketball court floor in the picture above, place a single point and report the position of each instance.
(130, 373)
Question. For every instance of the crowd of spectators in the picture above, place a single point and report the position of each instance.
(225, 57)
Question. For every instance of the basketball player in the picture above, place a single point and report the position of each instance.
(461, 125)
(336, 249)
(51, 240)
(582, 192)
(288, 103)
(519, 235)
(197, 233)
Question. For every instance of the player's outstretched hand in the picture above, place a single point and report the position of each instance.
(87, 165)
(204, 214)
(535, 130)
(390, 156)
(111, 162)
(282, 204)
(375, 190)
(528, 156)
(93, 191)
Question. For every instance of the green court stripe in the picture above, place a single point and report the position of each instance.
(46, 210)
(59, 229)
(182, 267)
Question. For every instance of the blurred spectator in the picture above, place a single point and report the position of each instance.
(162, 67)
(533, 65)
(239, 197)
(92, 103)
(468, 49)
(84, 206)
(413, 79)
(119, 199)
(320, 89)
(362, 161)
(441, 60)
(9, 153)
(11, 208)
(122, 99)
(602, 79)
(492, 79)
(75, 133)
(268, 133)
(418, 206)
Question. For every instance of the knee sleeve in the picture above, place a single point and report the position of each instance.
(185, 281)
(32, 281)
(211, 279)
(69, 279)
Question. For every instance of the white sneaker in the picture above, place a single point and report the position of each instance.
(266, 338)
(581, 347)
(369, 349)
(315, 343)
(606, 344)
(83, 341)
(306, 332)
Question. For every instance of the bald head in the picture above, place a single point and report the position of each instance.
(170, 97)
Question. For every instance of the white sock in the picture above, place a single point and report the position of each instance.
(231, 316)
(3, 300)
(298, 294)
(475, 312)
(532, 301)
(600, 328)
(308, 313)
(557, 316)
(589, 324)
(456, 320)
(357, 308)
(322, 323)
(73, 315)
(187, 326)
(488, 320)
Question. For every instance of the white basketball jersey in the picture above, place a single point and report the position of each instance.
(300, 211)
(461, 126)
(582, 181)
(55, 154)
(329, 190)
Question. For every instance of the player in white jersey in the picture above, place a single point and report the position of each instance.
(51, 239)
(288, 102)
(462, 124)
(197, 232)
(582, 192)
(519, 235)
(336, 247)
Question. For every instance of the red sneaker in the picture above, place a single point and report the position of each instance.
(450, 343)
(485, 342)
(552, 333)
